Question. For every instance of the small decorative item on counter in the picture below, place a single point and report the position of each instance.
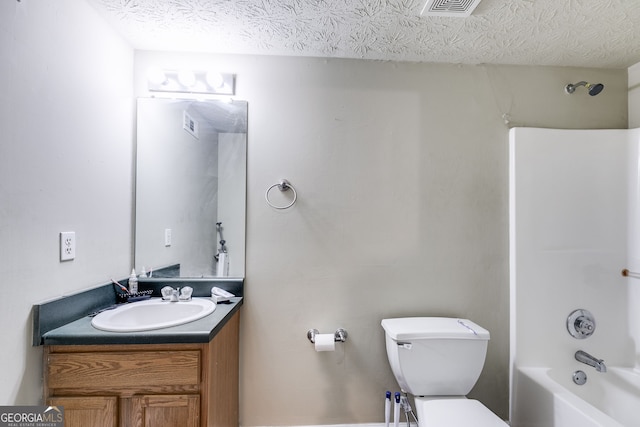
(133, 282)
(220, 295)
(129, 297)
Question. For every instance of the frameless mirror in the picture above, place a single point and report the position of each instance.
(190, 187)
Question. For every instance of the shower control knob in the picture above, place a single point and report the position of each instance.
(581, 324)
(585, 326)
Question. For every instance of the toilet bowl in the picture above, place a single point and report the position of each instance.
(455, 413)
(438, 360)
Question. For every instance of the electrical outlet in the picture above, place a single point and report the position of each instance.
(67, 245)
(167, 237)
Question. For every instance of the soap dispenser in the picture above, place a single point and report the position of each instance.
(133, 282)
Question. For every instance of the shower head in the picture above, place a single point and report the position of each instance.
(593, 88)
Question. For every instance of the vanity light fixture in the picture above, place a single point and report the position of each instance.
(187, 78)
(214, 80)
(186, 81)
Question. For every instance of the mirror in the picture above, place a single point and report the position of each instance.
(190, 187)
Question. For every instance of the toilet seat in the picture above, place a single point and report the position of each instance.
(455, 413)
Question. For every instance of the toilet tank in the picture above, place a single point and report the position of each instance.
(435, 356)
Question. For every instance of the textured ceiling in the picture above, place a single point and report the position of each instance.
(589, 33)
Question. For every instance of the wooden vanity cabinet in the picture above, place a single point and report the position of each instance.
(146, 385)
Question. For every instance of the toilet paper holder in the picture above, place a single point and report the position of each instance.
(340, 335)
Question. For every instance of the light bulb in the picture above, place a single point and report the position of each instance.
(215, 80)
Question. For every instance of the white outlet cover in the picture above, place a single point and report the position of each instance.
(67, 245)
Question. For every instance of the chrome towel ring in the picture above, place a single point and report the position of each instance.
(283, 185)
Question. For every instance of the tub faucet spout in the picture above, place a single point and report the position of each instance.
(586, 358)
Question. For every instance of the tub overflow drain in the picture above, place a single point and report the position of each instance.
(579, 377)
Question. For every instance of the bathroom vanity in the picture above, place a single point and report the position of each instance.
(182, 376)
(190, 385)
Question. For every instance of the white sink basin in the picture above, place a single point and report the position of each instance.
(152, 314)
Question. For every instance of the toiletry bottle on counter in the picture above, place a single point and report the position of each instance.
(133, 282)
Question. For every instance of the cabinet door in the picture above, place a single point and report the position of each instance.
(95, 411)
(175, 410)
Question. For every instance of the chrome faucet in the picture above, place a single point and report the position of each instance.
(170, 294)
(175, 295)
(587, 359)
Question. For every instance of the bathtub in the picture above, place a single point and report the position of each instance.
(544, 397)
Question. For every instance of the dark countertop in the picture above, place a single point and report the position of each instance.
(80, 331)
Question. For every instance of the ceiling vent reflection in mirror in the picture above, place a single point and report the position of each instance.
(186, 81)
(450, 8)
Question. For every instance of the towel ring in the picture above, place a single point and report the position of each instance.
(283, 185)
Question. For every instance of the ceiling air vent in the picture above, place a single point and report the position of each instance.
(451, 8)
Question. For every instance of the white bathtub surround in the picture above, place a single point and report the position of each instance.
(573, 229)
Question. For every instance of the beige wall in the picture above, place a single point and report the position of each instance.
(401, 172)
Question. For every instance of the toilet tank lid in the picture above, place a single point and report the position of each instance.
(411, 328)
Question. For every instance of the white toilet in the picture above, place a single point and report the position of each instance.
(438, 360)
